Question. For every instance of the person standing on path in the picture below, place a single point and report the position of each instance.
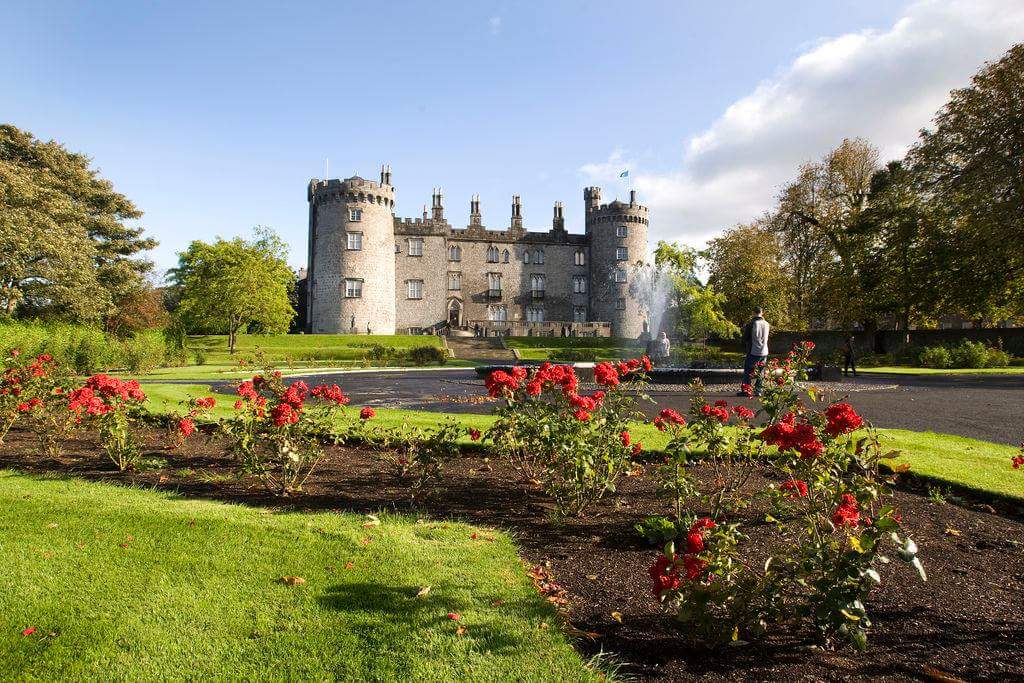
(849, 356)
(755, 343)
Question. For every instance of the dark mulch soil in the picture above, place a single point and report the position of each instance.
(965, 622)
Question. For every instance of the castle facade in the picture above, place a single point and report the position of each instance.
(372, 272)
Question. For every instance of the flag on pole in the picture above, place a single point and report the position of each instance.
(624, 174)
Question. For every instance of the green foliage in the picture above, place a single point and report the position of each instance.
(65, 249)
(426, 355)
(417, 454)
(381, 355)
(968, 354)
(575, 355)
(230, 286)
(87, 350)
(936, 357)
(747, 263)
(657, 530)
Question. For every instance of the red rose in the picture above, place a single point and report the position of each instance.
(581, 415)
(695, 543)
(625, 438)
(474, 434)
(637, 448)
(186, 426)
(794, 488)
(841, 418)
(367, 413)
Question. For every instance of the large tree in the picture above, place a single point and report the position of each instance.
(66, 248)
(747, 264)
(697, 308)
(969, 170)
(233, 285)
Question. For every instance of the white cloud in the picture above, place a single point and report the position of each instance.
(880, 85)
(494, 23)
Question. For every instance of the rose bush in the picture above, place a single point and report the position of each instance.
(112, 406)
(572, 441)
(278, 429)
(828, 505)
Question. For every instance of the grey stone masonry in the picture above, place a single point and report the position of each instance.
(371, 271)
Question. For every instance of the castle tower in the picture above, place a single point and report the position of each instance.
(618, 239)
(351, 281)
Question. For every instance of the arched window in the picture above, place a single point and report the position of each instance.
(492, 254)
(539, 256)
(581, 259)
(506, 256)
(455, 253)
(526, 256)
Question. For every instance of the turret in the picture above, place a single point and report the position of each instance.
(618, 240)
(474, 210)
(351, 281)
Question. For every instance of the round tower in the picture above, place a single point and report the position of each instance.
(618, 240)
(352, 256)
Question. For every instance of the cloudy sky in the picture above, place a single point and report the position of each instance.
(213, 117)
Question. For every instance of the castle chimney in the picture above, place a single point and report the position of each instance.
(438, 205)
(632, 197)
(474, 210)
(558, 221)
(385, 174)
(517, 212)
(425, 214)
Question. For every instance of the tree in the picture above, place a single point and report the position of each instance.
(65, 248)
(969, 171)
(231, 285)
(140, 309)
(747, 262)
(697, 307)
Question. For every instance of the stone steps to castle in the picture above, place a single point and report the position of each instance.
(479, 348)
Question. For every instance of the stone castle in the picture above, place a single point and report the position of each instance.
(372, 272)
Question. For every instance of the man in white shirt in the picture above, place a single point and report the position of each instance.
(755, 342)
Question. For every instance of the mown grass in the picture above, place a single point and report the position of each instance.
(908, 370)
(126, 584)
(305, 347)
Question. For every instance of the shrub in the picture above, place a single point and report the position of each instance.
(829, 506)
(381, 355)
(36, 390)
(111, 405)
(200, 357)
(577, 444)
(419, 455)
(275, 434)
(935, 357)
(657, 530)
(968, 354)
(144, 352)
(425, 355)
(996, 358)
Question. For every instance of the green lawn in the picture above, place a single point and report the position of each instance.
(126, 584)
(305, 347)
(908, 370)
(601, 348)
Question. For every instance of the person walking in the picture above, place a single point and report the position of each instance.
(850, 356)
(755, 343)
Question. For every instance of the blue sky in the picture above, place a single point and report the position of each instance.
(212, 117)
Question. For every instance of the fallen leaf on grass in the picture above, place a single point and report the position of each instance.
(544, 626)
(29, 631)
(460, 631)
(51, 525)
(617, 616)
(293, 580)
(422, 593)
(473, 536)
(371, 520)
(498, 603)
(349, 565)
(454, 616)
(123, 545)
(366, 541)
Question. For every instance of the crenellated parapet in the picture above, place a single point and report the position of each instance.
(352, 190)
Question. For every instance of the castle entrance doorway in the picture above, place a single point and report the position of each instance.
(455, 313)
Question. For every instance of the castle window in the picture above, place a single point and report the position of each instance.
(537, 283)
(621, 231)
(526, 256)
(506, 256)
(497, 314)
(353, 289)
(355, 214)
(539, 257)
(415, 288)
(620, 304)
(454, 281)
(455, 253)
(579, 314)
(579, 284)
(416, 247)
(581, 258)
(494, 281)
(398, 248)
(355, 241)
(621, 254)
(492, 254)
(620, 275)
(535, 314)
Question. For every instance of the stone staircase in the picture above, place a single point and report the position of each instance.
(481, 349)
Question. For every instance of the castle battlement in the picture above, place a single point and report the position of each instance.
(370, 270)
